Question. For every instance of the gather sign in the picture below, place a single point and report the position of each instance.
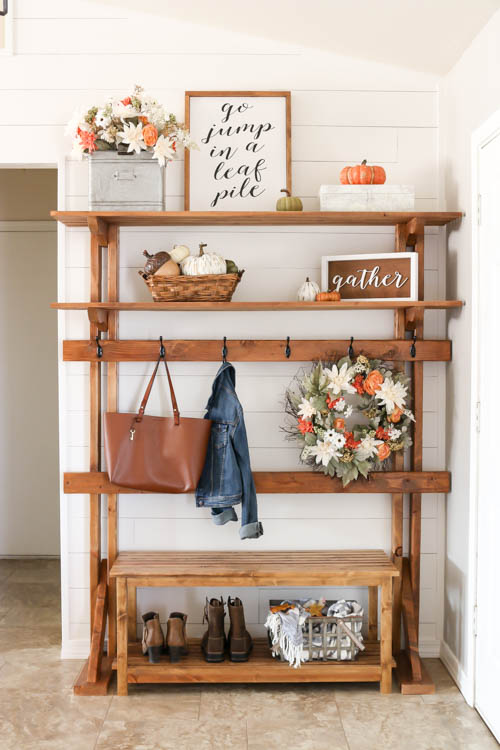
(386, 276)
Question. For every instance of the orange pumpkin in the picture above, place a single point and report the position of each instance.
(328, 297)
(362, 174)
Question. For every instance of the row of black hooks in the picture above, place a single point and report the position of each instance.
(288, 349)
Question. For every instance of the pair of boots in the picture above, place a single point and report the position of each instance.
(153, 641)
(214, 642)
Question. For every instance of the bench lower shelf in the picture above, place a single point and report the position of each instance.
(261, 667)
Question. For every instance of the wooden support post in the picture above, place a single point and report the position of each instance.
(132, 611)
(122, 627)
(372, 613)
(386, 637)
(410, 619)
(95, 433)
(101, 611)
(112, 405)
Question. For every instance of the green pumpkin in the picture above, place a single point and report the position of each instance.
(231, 266)
(289, 203)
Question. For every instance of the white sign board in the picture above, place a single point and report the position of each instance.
(244, 157)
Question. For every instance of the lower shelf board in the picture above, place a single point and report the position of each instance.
(261, 667)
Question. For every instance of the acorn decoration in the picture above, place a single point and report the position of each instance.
(289, 202)
(154, 262)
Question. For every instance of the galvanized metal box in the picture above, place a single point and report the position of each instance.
(367, 197)
(125, 182)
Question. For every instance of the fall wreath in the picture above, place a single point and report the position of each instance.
(349, 416)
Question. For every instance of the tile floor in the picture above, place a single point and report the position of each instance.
(39, 711)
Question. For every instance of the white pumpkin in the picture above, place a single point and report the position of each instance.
(308, 291)
(179, 252)
(204, 263)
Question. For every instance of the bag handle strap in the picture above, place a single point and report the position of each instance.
(144, 402)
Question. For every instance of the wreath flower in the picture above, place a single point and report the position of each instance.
(349, 417)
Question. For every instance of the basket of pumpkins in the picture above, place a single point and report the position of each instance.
(178, 276)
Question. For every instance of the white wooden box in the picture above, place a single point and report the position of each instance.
(367, 197)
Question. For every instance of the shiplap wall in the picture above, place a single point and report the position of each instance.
(343, 110)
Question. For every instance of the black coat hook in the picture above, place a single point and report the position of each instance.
(413, 348)
(162, 348)
(288, 351)
(224, 351)
(99, 347)
(350, 351)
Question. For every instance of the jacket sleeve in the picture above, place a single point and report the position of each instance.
(251, 528)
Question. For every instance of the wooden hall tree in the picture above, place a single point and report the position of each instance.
(103, 316)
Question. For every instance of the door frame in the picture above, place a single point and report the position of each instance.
(479, 138)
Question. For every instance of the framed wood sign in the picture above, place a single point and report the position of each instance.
(386, 276)
(244, 157)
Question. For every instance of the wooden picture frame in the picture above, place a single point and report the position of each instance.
(384, 277)
(199, 171)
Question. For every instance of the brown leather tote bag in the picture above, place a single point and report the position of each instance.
(156, 454)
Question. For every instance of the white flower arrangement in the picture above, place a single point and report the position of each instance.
(133, 124)
(322, 401)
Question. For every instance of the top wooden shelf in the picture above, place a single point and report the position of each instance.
(252, 218)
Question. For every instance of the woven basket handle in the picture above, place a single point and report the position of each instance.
(144, 402)
(351, 635)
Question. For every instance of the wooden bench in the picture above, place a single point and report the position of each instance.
(370, 568)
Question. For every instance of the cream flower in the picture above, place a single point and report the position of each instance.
(132, 134)
(392, 394)
(124, 110)
(394, 433)
(306, 409)
(337, 439)
(324, 452)
(367, 448)
(339, 379)
(163, 150)
(340, 405)
(348, 412)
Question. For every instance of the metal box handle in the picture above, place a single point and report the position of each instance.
(124, 175)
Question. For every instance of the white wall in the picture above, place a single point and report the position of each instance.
(342, 110)
(469, 94)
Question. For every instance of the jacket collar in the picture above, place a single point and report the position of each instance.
(226, 374)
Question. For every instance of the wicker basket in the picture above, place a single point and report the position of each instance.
(329, 638)
(207, 288)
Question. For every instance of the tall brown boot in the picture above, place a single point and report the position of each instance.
(152, 636)
(214, 640)
(240, 640)
(177, 644)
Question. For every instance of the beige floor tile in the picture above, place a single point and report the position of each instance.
(322, 734)
(270, 702)
(32, 617)
(14, 638)
(152, 703)
(45, 677)
(174, 734)
(7, 566)
(34, 720)
(346, 692)
(446, 690)
(35, 571)
(30, 595)
(468, 729)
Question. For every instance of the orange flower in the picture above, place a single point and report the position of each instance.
(350, 442)
(373, 382)
(305, 426)
(339, 424)
(381, 434)
(331, 404)
(358, 384)
(87, 139)
(150, 135)
(383, 451)
(143, 119)
(396, 415)
(126, 101)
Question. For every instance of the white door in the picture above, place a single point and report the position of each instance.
(488, 546)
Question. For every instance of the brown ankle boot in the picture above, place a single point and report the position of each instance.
(240, 640)
(214, 640)
(177, 644)
(152, 636)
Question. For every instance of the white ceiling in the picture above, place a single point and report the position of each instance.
(423, 35)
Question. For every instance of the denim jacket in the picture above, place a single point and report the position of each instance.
(226, 479)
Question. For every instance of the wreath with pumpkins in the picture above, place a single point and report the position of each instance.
(349, 416)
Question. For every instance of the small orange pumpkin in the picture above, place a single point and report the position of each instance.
(328, 297)
(362, 174)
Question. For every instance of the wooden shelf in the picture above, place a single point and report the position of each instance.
(289, 482)
(251, 218)
(259, 306)
(260, 667)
